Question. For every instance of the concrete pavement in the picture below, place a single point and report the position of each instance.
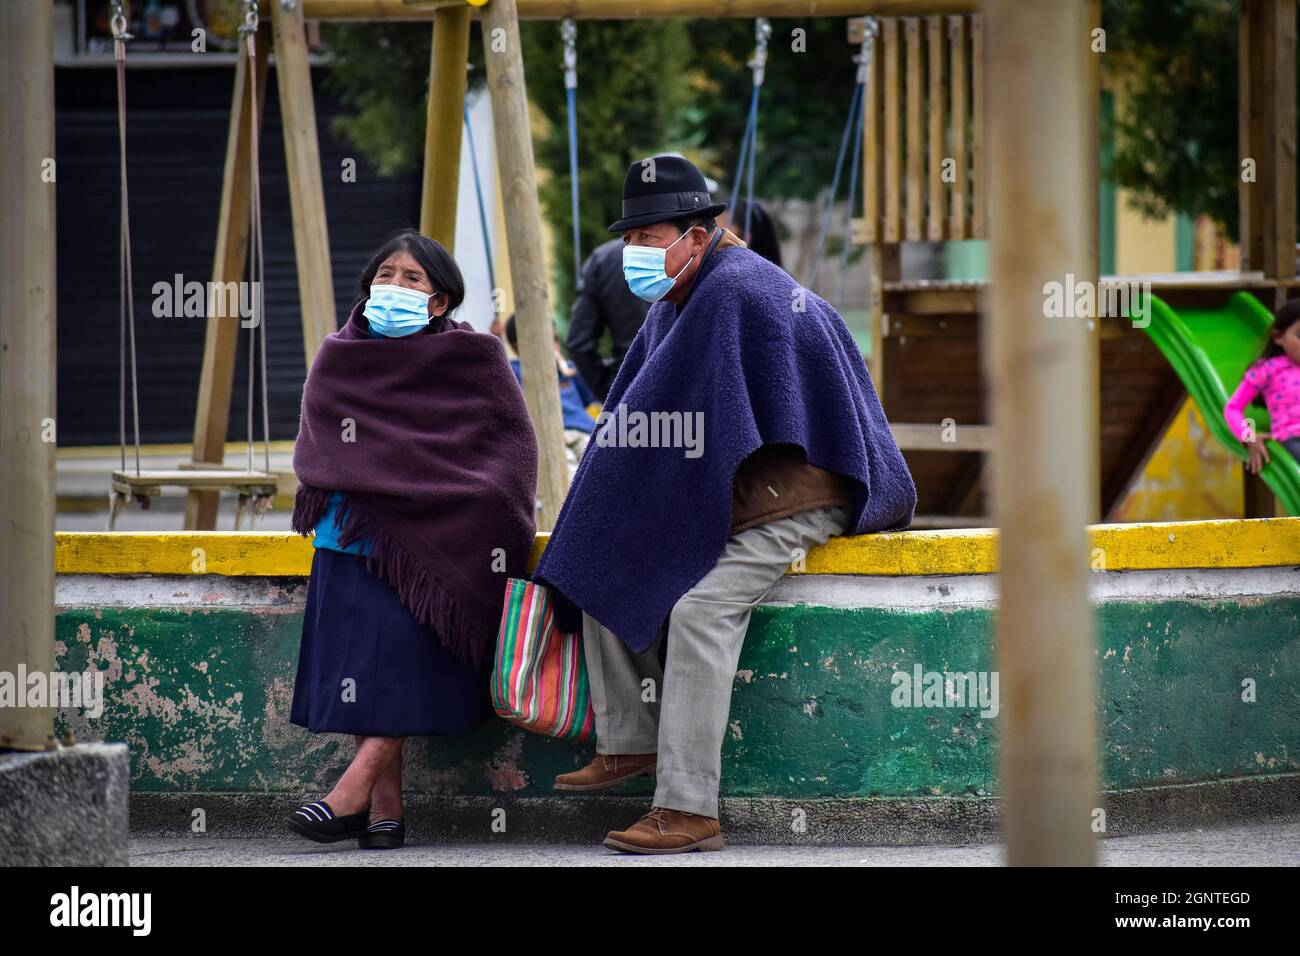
(1274, 842)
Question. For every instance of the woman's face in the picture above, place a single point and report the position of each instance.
(401, 269)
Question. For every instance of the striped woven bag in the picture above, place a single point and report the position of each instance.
(540, 679)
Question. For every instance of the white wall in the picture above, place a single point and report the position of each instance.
(470, 253)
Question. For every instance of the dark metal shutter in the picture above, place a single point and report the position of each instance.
(177, 124)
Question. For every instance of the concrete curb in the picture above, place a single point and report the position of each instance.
(65, 807)
(769, 821)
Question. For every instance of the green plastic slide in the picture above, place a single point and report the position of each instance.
(1211, 349)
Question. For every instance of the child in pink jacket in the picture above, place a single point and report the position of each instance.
(1277, 376)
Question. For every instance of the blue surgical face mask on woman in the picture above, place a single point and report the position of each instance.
(643, 268)
(395, 311)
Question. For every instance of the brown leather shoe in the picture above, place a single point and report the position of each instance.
(607, 770)
(668, 831)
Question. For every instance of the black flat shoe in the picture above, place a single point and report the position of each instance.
(383, 835)
(316, 821)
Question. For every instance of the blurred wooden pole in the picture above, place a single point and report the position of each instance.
(311, 244)
(1039, 369)
(221, 340)
(505, 74)
(1092, 188)
(447, 77)
(27, 368)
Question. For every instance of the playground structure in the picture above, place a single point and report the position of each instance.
(925, 105)
(1034, 83)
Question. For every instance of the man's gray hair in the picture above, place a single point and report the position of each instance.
(687, 222)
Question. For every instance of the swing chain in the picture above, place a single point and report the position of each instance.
(870, 30)
(569, 32)
(762, 33)
(118, 23)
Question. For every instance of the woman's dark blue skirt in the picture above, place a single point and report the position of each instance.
(403, 682)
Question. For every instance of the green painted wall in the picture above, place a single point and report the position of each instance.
(1184, 242)
(202, 698)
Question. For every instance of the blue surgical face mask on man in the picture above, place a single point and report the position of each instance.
(643, 268)
(394, 311)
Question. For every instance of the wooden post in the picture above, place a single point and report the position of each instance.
(914, 213)
(871, 148)
(1266, 133)
(505, 74)
(1257, 498)
(957, 211)
(1250, 194)
(27, 370)
(1279, 139)
(1091, 475)
(447, 78)
(893, 167)
(882, 261)
(1039, 372)
(934, 222)
(221, 341)
(886, 363)
(306, 190)
(979, 192)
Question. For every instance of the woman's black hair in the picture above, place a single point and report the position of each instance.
(762, 231)
(437, 263)
(1286, 315)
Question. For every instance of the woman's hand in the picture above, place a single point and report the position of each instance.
(1257, 453)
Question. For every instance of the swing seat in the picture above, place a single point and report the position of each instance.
(255, 488)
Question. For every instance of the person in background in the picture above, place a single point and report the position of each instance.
(603, 302)
(761, 237)
(1275, 375)
(575, 396)
(416, 461)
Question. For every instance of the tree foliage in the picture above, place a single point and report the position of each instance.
(380, 73)
(633, 91)
(802, 107)
(650, 85)
(644, 86)
(1174, 63)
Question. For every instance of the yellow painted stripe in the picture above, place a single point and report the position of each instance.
(256, 553)
(1186, 544)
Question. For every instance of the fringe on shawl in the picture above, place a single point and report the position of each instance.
(468, 638)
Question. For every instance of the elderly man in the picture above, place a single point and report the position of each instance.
(741, 431)
(604, 303)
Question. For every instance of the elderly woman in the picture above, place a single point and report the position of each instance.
(417, 464)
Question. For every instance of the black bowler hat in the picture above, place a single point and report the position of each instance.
(675, 188)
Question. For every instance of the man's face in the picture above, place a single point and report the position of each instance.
(685, 254)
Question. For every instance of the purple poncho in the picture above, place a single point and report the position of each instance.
(440, 473)
(642, 525)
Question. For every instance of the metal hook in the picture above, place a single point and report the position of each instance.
(870, 30)
(118, 23)
(762, 33)
(569, 32)
(250, 17)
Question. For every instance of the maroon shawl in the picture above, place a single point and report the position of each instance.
(440, 475)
